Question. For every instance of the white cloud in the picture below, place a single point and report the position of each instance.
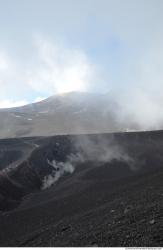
(142, 101)
(51, 68)
(13, 84)
(3, 62)
(11, 103)
(58, 69)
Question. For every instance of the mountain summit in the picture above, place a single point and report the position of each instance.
(69, 113)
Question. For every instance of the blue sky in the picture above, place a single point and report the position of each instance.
(54, 46)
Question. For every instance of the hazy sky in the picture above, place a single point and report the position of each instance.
(56, 46)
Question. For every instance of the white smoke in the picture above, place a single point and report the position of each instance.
(102, 150)
(99, 152)
(60, 168)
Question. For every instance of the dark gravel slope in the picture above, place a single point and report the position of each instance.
(100, 204)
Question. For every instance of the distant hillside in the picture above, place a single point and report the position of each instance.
(72, 113)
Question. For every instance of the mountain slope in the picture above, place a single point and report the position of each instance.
(109, 200)
(72, 113)
(40, 162)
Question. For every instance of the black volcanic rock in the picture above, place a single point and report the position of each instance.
(27, 164)
(109, 203)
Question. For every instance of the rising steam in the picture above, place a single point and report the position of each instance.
(60, 168)
(87, 150)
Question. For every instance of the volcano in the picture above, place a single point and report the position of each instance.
(70, 113)
(66, 181)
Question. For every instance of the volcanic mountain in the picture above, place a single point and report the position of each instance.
(71, 113)
(64, 181)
